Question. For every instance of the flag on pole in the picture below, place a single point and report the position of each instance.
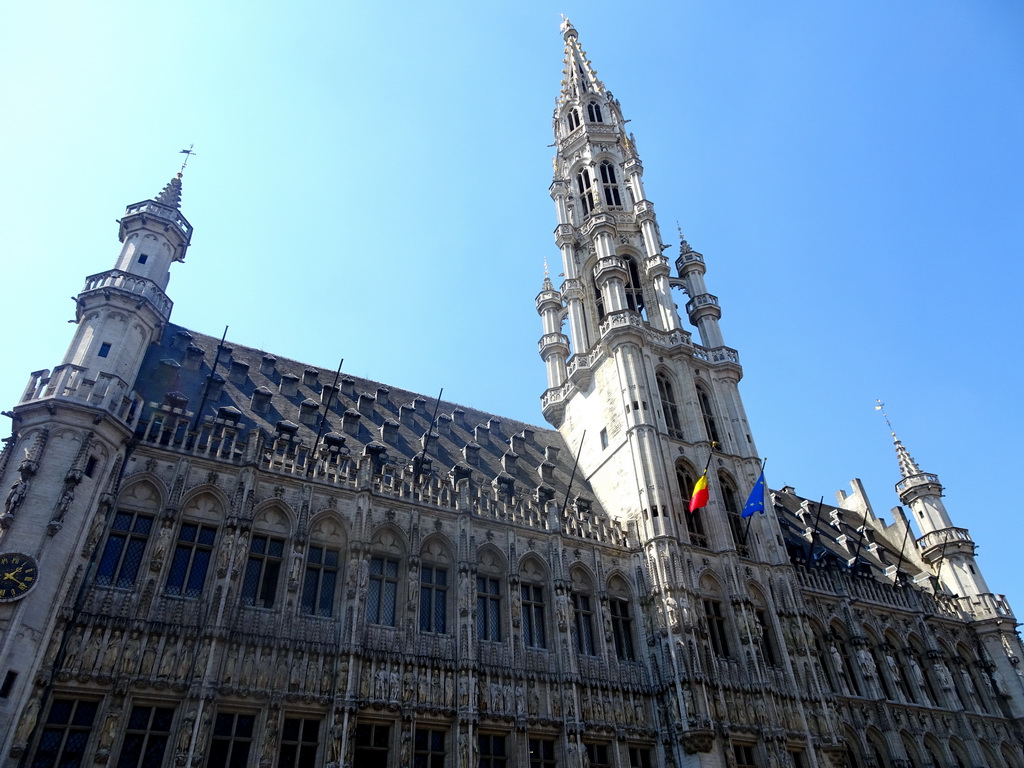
(755, 502)
(699, 497)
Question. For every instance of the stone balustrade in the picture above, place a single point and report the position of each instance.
(69, 382)
(138, 286)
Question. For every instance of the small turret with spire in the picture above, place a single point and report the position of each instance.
(945, 547)
(120, 312)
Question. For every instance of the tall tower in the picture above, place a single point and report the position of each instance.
(660, 401)
(947, 549)
(72, 431)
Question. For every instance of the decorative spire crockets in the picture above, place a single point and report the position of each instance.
(908, 467)
(171, 193)
(578, 76)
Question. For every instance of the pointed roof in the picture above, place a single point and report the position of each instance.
(908, 467)
(171, 193)
(578, 75)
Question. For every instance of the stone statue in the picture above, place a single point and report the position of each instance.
(867, 663)
(163, 541)
(16, 495)
(28, 721)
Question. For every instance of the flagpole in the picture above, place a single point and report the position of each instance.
(209, 380)
(903, 546)
(763, 491)
(572, 477)
(417, 462)
(860, 541)
(323, 419)
(814, 534)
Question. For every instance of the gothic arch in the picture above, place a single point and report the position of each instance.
(329, 527)
(194, 504)
(389, 540)
(910, 747)
(582, 575)
(854, 748)
(708, 409)
(533, 568)
(991, 758)
(668, 395)
(145, 491)
(709, 582)
(436, 548)
(961, 755)
(617, 583)
(877, 749)
(274, 516)
(694, 523)
(1011, 754)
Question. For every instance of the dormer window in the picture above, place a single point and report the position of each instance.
(594, 112)
(610, 185)
(583, 184)
(573, 119)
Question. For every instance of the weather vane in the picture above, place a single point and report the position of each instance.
(188, 153)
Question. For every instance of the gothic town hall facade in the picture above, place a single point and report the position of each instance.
(214, 556)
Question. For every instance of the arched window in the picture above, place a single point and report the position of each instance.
(717, 622)
(634, 288)
(598, 301)
(610, 186)
(532, 578)
(621, 618)
(669, 408)
(584, 186)
(382, 598)
(489, 578)
(128, 535)
(573, 119)
(594, 112)
(435, 570)
(323, 566)
(582, 596)
(694, 520)
(706, 411)
(261, 582)
(769, 647)
(732, 512)
(193, 551)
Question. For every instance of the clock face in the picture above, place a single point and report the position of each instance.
(18, 574)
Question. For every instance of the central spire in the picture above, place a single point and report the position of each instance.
(578, 76)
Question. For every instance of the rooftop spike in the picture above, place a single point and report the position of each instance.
(908, 467)
(171, 194)
(579, 75)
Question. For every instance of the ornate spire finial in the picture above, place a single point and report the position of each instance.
(684, 247)
(171, 193)
(908, 467)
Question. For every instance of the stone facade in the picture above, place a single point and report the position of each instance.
(243, 560)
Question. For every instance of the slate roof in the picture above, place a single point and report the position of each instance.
(176, 371)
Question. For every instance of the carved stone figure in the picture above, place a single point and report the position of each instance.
(28, 721)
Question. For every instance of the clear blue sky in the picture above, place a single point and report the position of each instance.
(372, 184)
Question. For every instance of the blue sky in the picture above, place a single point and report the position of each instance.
(372, 184)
